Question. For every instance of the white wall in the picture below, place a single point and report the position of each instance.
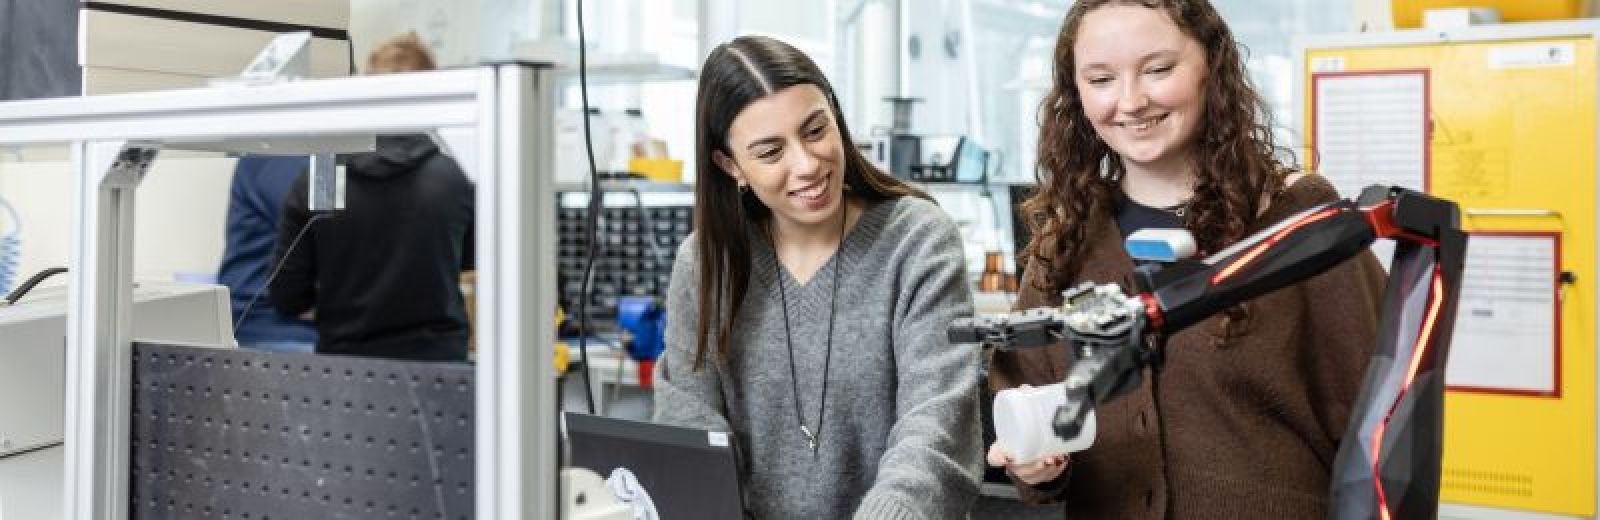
(1372, 15)
(179, 219)
(459, 32)
(447, 32)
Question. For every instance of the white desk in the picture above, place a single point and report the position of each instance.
(30, 485)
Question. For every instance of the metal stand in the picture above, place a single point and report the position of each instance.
(496, 119)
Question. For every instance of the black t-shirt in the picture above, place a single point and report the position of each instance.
(1133, 216)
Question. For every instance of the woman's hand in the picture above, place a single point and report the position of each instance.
(1045, 469)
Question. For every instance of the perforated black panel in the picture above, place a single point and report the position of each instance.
(240, 434)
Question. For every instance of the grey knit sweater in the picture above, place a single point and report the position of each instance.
(900, 435)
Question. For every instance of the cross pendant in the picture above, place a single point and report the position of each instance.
(811, 440)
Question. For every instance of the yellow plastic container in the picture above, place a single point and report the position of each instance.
(658, 170)
(1408, 13)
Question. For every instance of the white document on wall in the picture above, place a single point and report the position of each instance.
(1371, 128)
(1505, 337)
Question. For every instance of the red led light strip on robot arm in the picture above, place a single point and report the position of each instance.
(1435, 299)
(1256, 251)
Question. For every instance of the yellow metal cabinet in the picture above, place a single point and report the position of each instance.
(1511, 137)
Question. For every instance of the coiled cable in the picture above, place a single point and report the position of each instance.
(10, 249)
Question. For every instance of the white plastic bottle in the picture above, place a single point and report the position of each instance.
(623, 128)
(636, 133)
(572, 159)
(1023, 423)
(571, 164)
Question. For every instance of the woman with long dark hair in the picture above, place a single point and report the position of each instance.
(1151, 123)
(807, 314)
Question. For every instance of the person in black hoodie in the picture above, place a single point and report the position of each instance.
(381, 277)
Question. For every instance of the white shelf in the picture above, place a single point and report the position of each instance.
(614, 186)
(616, 73)
(603, 69)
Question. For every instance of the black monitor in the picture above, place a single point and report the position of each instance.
(687, 473)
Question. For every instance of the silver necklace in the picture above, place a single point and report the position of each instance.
(827, 358)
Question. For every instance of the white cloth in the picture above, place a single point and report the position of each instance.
(626, 488)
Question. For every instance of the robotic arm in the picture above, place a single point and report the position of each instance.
(1388, 462)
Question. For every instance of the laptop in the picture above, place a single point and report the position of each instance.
(688, 473)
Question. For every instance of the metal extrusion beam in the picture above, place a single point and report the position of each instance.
(410, 102)
(498, 120)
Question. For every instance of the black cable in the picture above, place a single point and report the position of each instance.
(595, 196)
(281, 261)
(592, 250)
(662, 260)
(23, 289)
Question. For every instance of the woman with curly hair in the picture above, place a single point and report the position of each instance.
(1151, 123)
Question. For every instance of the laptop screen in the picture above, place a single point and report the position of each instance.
(687, 473)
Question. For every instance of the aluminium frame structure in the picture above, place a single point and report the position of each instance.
(496, 120)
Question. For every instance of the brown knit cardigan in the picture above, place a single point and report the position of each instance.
(1238, 427)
